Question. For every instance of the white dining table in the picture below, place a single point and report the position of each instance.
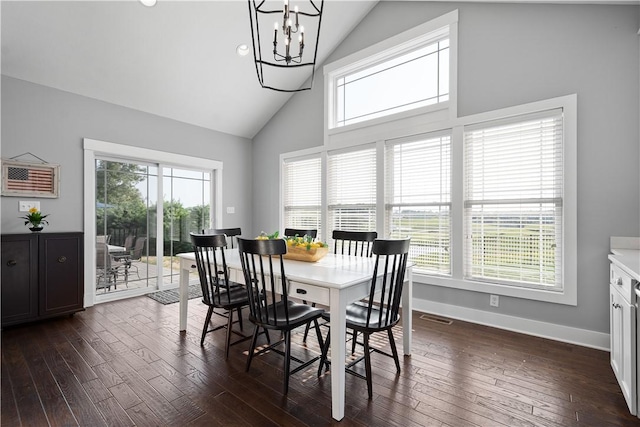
(334, 281)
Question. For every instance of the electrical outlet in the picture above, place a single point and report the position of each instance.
(231, 209)
(25, 205)
(494, 301)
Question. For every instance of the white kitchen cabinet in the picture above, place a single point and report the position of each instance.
(623, 334)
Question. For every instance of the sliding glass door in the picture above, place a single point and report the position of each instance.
(187, 208)
(126, 217)
(131, 258)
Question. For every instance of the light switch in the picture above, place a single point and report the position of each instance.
(231, 209)
(25, 205)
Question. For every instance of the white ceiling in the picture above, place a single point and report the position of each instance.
(177, 59)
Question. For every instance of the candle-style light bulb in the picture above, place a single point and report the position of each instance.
(275, 33)
(296, 9)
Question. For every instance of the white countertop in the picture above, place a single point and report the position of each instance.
(628, 260)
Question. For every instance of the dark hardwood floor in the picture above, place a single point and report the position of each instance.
(125, 363)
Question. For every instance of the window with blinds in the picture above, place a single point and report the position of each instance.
(351, 190)
(418, 199)
(513, 207)
(302, 195)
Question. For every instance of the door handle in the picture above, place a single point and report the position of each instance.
(11, 263)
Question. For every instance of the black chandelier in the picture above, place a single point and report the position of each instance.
(283, 51)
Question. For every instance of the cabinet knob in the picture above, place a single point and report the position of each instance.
(11, 263)
(62, 259)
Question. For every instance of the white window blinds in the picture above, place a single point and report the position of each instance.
(513, 207)
(351, 190)
(418, 200)
(302, 193)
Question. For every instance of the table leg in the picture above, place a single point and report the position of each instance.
(185, 266)
(407, 308)
(338, 309)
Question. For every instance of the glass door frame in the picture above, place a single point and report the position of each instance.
(94, 149)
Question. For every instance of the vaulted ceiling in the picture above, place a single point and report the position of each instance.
(177, 59)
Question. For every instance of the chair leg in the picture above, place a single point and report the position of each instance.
(240, 318)
(394, 350)
(229, 327)
(206, 325)
(323, 356)
(308, 325)
(287, 360)
(252, 348)
(318, 333)
(367, 364)
(353, 342)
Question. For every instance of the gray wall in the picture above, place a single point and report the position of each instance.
(511, 54)
(51, 124)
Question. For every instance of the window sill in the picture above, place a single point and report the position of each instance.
(567, 297)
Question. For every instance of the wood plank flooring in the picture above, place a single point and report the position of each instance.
(125, 363)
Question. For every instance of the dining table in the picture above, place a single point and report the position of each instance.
(334, 282)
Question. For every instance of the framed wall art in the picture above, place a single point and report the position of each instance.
(21, 178)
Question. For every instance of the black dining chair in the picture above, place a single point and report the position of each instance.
(232, 242)
(231, 233)
(381, 309)
(269, 304)
(358, 243)
(217, 290)
(293, 232)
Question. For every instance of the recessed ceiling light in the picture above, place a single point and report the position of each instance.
(148, 3)
(242, 50)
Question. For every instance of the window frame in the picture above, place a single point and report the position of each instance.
(407, 41)
(568, 294)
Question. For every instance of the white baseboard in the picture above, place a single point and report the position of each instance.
(582, 337)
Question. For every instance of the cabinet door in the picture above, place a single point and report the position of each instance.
(61, 275)
(19, 278)
(623, 350)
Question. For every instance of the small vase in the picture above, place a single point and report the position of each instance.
(36, 229)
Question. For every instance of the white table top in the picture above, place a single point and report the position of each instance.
(332, 271)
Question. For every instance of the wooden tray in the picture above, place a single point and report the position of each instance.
(300, 253)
